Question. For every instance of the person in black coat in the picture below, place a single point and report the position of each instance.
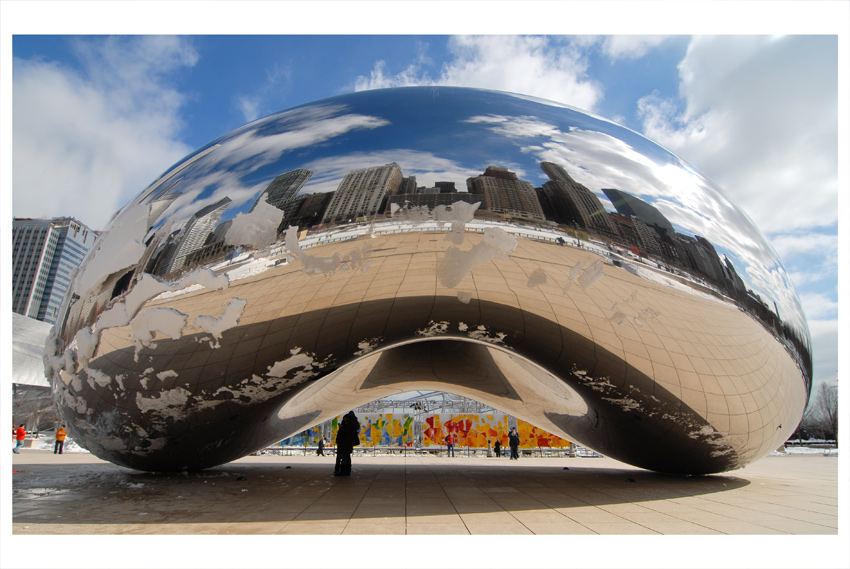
(498, 448)
(347, 437)
(513, 441)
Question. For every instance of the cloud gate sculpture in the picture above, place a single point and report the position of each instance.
(522, 253)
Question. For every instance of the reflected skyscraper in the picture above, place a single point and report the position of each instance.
(284, 188)
(364, 192)
(573, 202)
(630, 205)
(306, 211)
(193, 236)
(504, 193)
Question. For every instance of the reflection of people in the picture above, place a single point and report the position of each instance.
(497, 448)
(321, 450)
(60, 440)
(20, 435)
(347, 437)
(450, 445)
(513, 441)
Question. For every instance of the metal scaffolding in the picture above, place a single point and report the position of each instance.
(418, 402)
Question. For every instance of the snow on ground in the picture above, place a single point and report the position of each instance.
(807, 450)
(249, 269)
(46, 443)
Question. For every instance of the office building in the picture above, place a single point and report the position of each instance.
(364, 193)
(284, 188)
(44, 254)
(573, 203)
(505, 194)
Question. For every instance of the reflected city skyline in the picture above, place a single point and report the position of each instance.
(372, 193)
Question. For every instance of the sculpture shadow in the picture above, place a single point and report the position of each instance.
(277, 490)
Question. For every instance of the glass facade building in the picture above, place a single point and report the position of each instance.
(44, 254)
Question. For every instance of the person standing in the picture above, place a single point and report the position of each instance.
(347, 437)
(20, 435)
(513, 441)
(497, 448)
(450, 445)
(60, 440)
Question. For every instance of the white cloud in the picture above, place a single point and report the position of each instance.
(84, 142)
(793, 244)
(630, 47)
(759, 117)
(249, 106)
(536, 66)
(410, 76)
(812, 257)
(266, 94)
(818, 306)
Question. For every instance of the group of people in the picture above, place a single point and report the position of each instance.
(21, 435)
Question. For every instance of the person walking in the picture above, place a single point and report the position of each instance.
(513, 441)
(321, 450)
(450, 445)
(61, 433)
(497, 448)
(347, 437)
(20, 435)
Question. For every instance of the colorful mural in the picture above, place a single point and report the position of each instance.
(475, 431)
(389, 429)
(386, 430)
(309, 437)
(472, 430)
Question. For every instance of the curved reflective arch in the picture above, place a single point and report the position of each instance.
(549, 263)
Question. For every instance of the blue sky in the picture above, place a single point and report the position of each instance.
(756, 113)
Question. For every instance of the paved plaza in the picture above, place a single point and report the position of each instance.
(76, 493)
(74, 510)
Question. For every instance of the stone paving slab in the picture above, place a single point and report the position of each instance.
(79, 495)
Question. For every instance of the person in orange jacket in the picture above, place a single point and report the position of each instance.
(60, 440)
(20, 435)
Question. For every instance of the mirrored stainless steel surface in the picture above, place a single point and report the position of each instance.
(550, 263)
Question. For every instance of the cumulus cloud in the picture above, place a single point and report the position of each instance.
(759, 116)
(532, 65)
(87, 140)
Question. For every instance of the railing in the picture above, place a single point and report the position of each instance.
(540, 452)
